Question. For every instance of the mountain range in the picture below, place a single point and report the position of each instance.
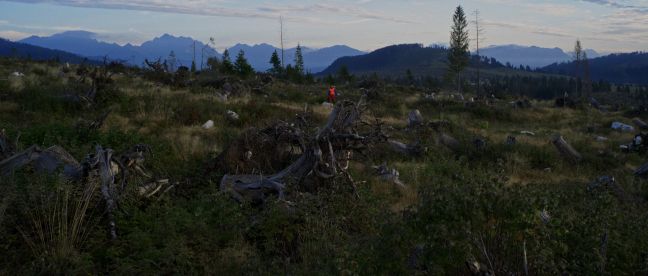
(21, 50)
(86, 44)
(532, 56)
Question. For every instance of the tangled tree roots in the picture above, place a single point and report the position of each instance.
(323, 155)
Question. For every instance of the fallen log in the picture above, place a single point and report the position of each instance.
(413, 150)
(565, 149)
(43, 161)
(640, 124)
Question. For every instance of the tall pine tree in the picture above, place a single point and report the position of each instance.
(458, 55)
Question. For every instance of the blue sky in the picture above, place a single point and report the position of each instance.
(604, 25)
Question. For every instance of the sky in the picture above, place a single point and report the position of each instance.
(603, 25)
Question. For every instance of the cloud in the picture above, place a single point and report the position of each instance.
(528, 28)
(216, 8)
(619, 4)
(13, 35)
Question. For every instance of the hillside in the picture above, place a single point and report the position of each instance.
(629, 68)
(14, 49)
(132, 181)
(396, 60)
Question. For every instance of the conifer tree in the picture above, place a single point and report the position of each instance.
(276, 64)
(242, 66)
(458, 52)
(227, 66)
(299, 60)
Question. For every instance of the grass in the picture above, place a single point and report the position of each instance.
(471, 205)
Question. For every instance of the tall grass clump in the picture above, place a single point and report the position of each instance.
(57, 225)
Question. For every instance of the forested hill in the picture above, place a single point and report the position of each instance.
(15, 49)
(396, 60)
(630, 68)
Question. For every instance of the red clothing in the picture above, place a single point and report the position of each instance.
(331, 95)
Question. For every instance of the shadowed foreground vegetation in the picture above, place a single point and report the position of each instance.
(494, 205)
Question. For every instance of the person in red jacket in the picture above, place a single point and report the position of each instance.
(331, 94)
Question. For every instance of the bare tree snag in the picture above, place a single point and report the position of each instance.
(319, 155)
(100, 166)
(565, 149)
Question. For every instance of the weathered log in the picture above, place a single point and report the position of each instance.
(47, 161)
(609, 182)
(409, 150)
(642, 171)
(449, 141)
(640, 124)
(565, 149)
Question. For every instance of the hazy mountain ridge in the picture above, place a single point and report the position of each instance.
(16, 49)
(532, 56)
(86, 44)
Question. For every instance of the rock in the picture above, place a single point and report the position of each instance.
(414, 118)
(209, 124)
(389, 175)
(17, 74)
(233, 116)
(601, 139)
(622, 127)
(327, 105)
